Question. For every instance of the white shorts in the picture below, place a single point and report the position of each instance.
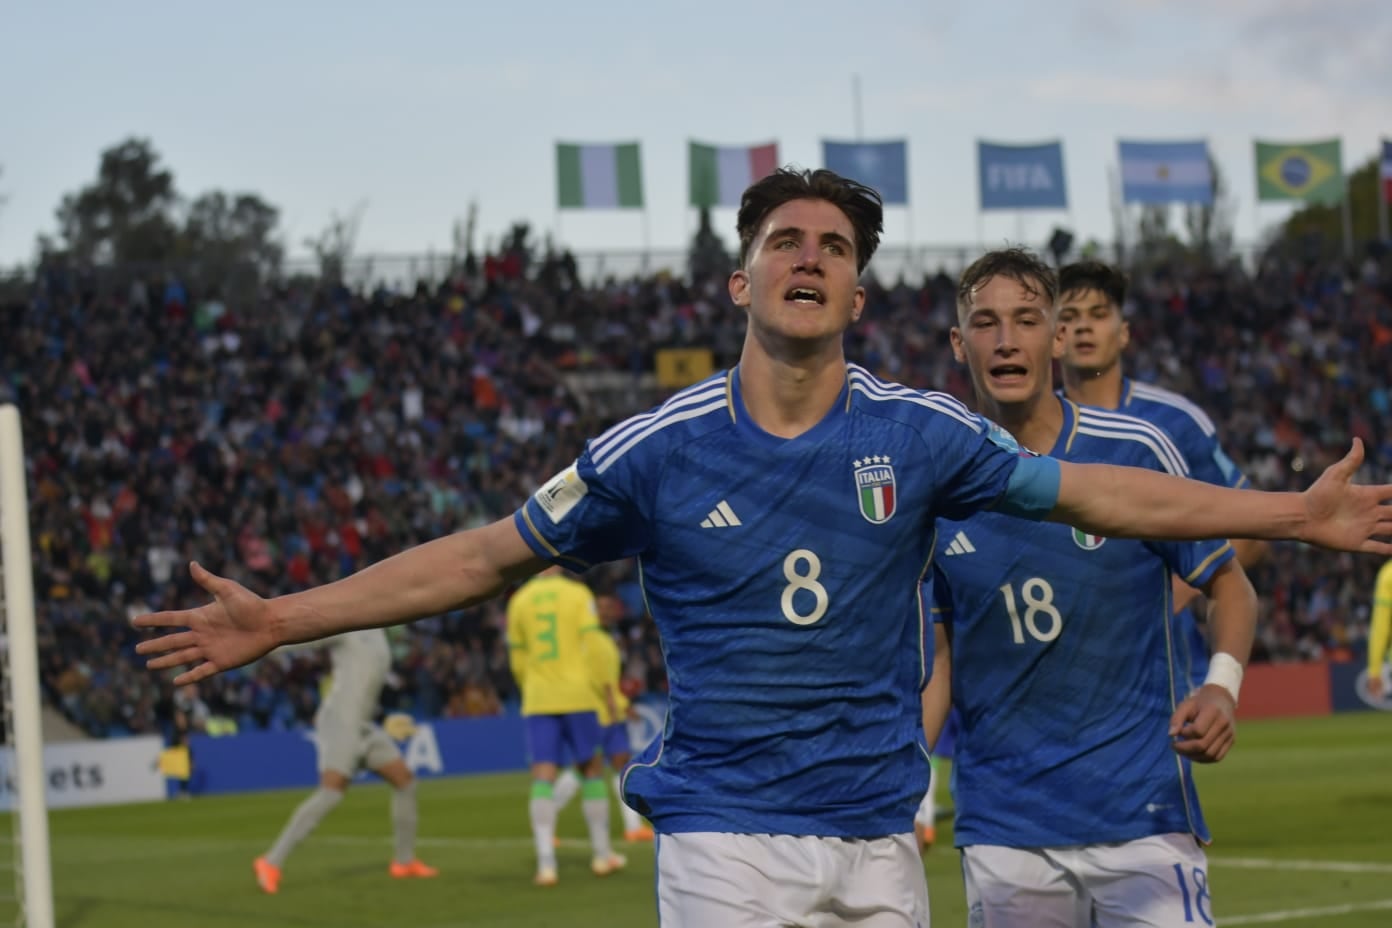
(1155, 882)
(707, 879)
(347, 748)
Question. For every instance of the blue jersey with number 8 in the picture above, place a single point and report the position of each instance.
(784, 578)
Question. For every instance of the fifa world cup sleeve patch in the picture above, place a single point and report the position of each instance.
(1005, 441)
(562, 493)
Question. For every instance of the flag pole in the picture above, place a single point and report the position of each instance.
(647, 247)
(913, 252)
(855, 101)
(1348, 221)
(1381, 194)
(1382, 209)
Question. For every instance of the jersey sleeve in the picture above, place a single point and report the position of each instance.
(1206, 459)
(972, 460)
(586, 515)
(938, 595)
(1194, 562)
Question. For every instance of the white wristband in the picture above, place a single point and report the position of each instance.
(1226, 671)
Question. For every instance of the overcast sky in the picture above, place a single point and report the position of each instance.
(415, 108)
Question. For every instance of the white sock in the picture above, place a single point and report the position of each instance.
(928, 808)
(595, 803)
(542, 810)
(632, 821)
(404, 817)
(567, 786)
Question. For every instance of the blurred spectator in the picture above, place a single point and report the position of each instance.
(302, 436)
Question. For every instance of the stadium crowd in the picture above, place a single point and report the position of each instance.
(289, 439)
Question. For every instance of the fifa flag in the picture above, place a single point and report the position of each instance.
(881, 165)
(598, 176)
(1021, 176)
(1386, 171)
(1311, 171)
(1166, 172)
(719, 175)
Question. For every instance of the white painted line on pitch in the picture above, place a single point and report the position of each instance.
(156, 848)
(1267, 918)
(470, 843)
(1321, 866)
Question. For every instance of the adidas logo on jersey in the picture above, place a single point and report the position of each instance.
(722, 516)
(961, 544)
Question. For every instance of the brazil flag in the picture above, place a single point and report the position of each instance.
(1312, 171)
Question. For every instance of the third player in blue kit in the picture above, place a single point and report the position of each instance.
(1092, 297)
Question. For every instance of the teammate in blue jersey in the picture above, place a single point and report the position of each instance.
(782, 515)
(1091, 297)
(1074, 800)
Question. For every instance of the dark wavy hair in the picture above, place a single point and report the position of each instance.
(1019, 264)
(1094, 275)
(861, 204)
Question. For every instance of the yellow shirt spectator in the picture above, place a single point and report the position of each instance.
(1380, 629)
(607, 667)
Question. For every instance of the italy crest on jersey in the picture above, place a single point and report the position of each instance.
(1087, 542)
(874, 479)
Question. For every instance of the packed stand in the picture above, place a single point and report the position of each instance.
(315, 430)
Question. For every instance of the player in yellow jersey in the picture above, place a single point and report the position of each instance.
(607, 667)
(1380, 633)
(552, 627)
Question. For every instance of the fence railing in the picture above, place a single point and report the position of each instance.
(404, 270)
(889, 264)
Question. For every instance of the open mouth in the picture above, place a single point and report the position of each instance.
(1008, 372)
(805, 295)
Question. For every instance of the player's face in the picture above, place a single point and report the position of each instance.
(800, 279)
(1094, 334)
(1008, 341)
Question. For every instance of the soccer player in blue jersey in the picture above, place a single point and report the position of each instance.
(1075, 805)
(1091, 297)
(782, 514)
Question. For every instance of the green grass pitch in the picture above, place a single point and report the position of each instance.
(1302, 811)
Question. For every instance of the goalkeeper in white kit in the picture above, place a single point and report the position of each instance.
(348, 740)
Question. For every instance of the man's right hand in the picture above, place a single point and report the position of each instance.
(234, 629)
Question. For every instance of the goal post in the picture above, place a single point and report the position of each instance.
(33, 876)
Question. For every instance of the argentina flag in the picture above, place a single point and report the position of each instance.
(1166, 172)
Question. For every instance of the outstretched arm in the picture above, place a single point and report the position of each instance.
(1205, 722)
(1127, 502)
(448, 573)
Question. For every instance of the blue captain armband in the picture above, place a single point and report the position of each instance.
(1033, 489)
